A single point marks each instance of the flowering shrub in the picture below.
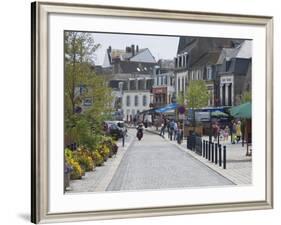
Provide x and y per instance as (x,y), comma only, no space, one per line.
(110,144)
(77,171)
(83,157)
(104,151)
(97,158)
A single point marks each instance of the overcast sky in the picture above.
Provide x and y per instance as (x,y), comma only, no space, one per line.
(161,47)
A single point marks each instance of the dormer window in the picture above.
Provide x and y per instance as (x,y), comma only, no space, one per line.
(209,73)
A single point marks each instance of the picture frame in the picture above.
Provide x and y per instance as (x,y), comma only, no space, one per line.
(41,190)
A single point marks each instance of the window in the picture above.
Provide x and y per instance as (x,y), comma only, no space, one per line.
(180,61)
(144,100)
(128,100)
(136,100)
(166,80)
(186,60)
(209,73)
(133,85)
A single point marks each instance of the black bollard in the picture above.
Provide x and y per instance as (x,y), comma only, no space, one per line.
(203,148)
(123,140)
(209,151)
(216,153)
(219,154)
(213,152)
(224,157)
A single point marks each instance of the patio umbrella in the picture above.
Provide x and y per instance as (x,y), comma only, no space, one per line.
(242,111)
(218,113)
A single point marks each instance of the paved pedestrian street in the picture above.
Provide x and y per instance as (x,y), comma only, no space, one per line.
(154,163)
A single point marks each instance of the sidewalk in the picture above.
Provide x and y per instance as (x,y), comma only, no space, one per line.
(99,179)
(238,165)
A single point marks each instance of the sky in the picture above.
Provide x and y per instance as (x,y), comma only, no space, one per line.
(161,47)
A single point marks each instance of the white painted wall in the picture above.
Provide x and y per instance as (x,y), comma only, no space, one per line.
(132,109)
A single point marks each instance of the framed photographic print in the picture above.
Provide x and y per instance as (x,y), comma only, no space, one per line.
(145,112)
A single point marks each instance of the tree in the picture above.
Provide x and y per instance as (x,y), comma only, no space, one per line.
(197,94)
(79,74)
(79,49)
(246,97)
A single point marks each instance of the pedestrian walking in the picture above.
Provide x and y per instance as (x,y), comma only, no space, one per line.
(238,131)
(162,131)
(226,133)
(171,130)
(168,127)
(179,134)
(233,136)
(175,130)
(216,131)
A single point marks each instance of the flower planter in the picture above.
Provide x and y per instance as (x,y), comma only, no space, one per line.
(66,180)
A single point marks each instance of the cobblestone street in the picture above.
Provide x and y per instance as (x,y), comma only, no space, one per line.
(154,163)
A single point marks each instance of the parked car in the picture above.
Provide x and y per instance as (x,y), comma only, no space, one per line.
(116,128)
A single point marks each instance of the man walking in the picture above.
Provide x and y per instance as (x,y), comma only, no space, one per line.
(175,130)
(171,130)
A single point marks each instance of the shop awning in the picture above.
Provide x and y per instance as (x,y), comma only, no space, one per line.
(167,108)
(242,111)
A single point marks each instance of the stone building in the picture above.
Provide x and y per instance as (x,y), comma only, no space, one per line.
(224,64)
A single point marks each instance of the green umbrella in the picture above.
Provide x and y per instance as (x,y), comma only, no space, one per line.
(218,113)
(242,111)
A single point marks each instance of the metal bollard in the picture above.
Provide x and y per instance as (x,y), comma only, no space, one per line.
(219,154)
(213,152)
(203,148)
(224,157)
(209,151)
(216,153)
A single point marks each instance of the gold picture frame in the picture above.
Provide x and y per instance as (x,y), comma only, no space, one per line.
(40,212)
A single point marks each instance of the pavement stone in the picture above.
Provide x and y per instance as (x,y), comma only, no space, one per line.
(238,167)
(154,163)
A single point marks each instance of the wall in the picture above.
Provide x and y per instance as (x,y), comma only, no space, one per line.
(15,111)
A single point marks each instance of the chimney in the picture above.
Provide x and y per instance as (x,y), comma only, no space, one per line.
(133,50)
(128,49)
(109,49)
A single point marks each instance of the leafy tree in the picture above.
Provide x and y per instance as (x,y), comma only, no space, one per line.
(85,128)
(197,94)
(79,49)
(246,97)
(181,99)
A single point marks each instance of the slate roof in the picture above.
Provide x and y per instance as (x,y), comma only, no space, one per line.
(123,55)
(198,46)
(238,66)
(227,54)
(136,67)
(245,50)
(209,58)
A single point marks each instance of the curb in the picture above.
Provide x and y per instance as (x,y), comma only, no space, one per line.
(103,184)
